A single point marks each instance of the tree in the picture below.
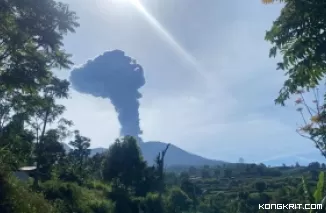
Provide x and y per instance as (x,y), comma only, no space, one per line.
(184,175)
(153,204)
(301,41)
(205,173)
(241,160)
(192,171)
(80,152)
(31,41)
(31,35)
(242,202)
(160,169)
(46,111)
(314,165)
(317,196)
(124,163)
(178,201)
(323,166)
(217,172)
(313,115)
(30,46)
(260,186)
(192,191)
(95,164)
(18,143)
(227,173)
(51,150)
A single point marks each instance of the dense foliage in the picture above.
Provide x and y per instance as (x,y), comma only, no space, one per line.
(32,130)
(298,34)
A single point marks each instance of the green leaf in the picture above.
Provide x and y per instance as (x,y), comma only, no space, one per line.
(318,195)
(298,34)
(307,193)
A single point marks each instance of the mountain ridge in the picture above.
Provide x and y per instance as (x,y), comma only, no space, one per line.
(174,155)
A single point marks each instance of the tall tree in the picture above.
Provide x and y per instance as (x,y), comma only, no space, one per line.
(50,153)
(124,163)
(17,141)
(46,111)
(178,201)
(260,186)
(80,152)
(160,169)
(299,35)
(95,165)
(31,34)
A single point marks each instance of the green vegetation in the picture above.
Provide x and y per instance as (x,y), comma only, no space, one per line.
(137,187)
(119,180)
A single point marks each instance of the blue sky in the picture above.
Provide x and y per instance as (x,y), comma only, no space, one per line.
(211,94)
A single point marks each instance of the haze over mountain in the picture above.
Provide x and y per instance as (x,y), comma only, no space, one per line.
(302,158)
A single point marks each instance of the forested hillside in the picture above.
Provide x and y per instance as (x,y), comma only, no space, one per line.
(121,181)
(37,175)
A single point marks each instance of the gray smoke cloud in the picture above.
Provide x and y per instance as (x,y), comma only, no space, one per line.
(118,77)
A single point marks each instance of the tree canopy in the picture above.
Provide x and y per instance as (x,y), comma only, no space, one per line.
(298,34)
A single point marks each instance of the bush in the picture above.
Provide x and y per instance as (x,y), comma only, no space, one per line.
(101,206)
(16,197)
(98,186)
(67,196)
(152,203)
(70,197)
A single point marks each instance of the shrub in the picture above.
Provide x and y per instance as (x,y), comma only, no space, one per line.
(67,196)
(101,206)
(16,197)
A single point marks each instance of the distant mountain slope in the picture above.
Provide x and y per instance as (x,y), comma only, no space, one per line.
(302,159)
(174,155)
(178,157)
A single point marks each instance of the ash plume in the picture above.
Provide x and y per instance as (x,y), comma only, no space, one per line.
(118,77)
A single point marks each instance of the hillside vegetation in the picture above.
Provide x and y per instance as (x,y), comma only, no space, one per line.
(120,181)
